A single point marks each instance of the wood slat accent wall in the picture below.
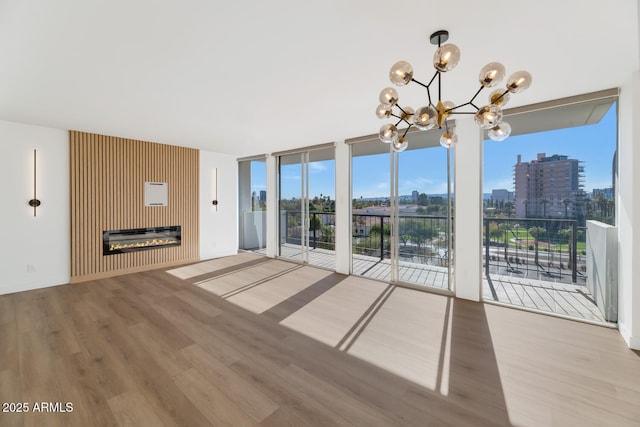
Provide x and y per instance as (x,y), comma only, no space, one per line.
(107,193)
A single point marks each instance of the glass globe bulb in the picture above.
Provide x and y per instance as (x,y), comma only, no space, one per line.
(401,73)
(519,81)
(407,114)
(388,133)
(449,139)
(400,144)
(425,118)
(389,96)
(500,132)
(384,111)
(446,57)
(496,97)
(448,105)
(488,116)
(491,74)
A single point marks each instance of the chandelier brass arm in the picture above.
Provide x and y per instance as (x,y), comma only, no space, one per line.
(435,114)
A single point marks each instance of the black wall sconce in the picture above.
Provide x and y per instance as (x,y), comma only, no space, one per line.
(215,189)
(34,203)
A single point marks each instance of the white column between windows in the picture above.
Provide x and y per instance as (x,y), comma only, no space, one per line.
(468,211)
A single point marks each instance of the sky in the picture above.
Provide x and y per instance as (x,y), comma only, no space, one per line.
(593,144)
(425,170)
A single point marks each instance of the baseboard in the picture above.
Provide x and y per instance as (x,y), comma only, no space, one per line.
(106,274)
(220,254)
(634,343)
(26,288)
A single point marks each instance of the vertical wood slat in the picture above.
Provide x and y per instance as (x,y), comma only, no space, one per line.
(107,193)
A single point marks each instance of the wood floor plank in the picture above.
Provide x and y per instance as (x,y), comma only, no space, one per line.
(155,349)
(132,409)
(157,385)
(10,391)
(247,397)
(214,404)
(88,390)
(348,407)
(161,350)
(9,356)
(7,309)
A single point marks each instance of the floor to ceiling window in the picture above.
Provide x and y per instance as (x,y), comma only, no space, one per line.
(415,246)
(306,206)
(252,203)
(549,210)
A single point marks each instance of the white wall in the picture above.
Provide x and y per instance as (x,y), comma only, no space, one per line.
(218,228)
(628,209)
(602,267)
(34,251)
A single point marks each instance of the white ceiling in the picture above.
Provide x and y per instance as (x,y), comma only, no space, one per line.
(251,77)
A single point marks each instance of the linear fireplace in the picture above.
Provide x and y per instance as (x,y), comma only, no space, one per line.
(139,239)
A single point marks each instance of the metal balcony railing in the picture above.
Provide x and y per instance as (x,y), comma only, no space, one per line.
(544,249)
(422,239)
(321,229)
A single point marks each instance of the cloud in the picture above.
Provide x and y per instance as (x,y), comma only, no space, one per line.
(317,167)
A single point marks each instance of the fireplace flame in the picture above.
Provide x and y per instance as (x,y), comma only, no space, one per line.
(154,242)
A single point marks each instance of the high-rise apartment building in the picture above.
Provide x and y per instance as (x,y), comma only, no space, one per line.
(549,187)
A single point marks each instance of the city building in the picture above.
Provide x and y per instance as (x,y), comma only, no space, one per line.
(607,193)
(549,187)
(414,195)
(502,195)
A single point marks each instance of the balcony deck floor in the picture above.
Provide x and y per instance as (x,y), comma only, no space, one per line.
(572,300)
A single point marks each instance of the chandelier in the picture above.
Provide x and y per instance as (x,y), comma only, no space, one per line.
(431,115)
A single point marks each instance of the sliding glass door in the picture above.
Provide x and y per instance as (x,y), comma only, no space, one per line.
(402,211)
(306,207)
(252,204)
(549,210)
(292,204)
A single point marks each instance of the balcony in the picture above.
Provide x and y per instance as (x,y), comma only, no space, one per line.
(538,264)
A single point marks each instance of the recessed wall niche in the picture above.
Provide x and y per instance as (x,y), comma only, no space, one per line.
(156,194)
(108,176)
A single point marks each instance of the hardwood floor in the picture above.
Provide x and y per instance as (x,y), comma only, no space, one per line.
(248,340)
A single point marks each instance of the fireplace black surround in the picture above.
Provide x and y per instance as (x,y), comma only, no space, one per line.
(139,239)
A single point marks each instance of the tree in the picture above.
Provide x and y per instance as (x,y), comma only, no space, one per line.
(404,238)
(494,231)
(566,234)
(544,203)
(423,199)
(589,208)
(504,228)
(566,207)
(375,234)
(536,232)
(601,203)
(509,209)
(315,222)
(416,230)
(327,240)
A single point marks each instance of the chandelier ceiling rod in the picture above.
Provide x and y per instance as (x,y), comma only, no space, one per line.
(445,59)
